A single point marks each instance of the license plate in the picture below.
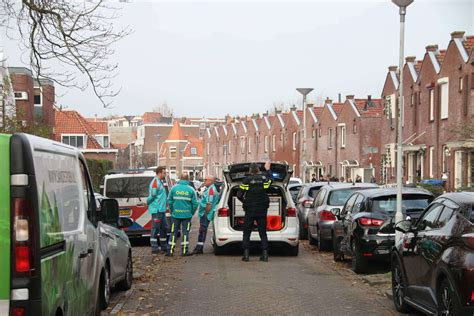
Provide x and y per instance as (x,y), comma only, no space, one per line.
(383,251)
(124,212)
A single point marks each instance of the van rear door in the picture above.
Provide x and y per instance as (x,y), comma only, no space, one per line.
(235,173)
(4,224)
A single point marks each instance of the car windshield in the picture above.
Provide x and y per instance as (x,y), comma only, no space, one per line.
(339,197)
(313,191)
(388,204)
(471,214)
(127,187)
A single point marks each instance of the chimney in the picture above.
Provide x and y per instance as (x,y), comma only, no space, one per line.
(265,114)
(277,111)
(328,101)
(309,105)
(392,68)
(339,98)
(350,97)
(457,34)
(369,103)
(293,108)
(432,48)
(410,59)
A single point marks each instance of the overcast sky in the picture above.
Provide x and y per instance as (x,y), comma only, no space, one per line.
(212,58)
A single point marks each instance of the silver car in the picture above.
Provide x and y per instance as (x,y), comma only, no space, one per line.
(320,217)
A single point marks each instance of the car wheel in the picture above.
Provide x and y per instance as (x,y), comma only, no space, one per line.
(447,303)
(398,288)
(323,245)
(217,250)
(126,283)
(104,289)
(335,248)
(294,250)
(303,232)
(312,241)
(359,263)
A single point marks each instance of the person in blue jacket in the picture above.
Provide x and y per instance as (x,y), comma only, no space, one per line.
(182,202)
(207,208)
(156,202)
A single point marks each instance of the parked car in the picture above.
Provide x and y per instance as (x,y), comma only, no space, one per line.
(294,190)
(294,180)
(320,218)
(53,263)
(433,263)
(130,189)
(229,218)
(304,201)
(365,226)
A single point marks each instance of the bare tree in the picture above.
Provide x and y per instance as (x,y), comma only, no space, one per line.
(164,109)
(79,35)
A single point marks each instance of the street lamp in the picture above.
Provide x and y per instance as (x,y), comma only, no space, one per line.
(304,92)
(402,4)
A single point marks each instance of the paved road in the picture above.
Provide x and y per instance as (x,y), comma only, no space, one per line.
(213,285)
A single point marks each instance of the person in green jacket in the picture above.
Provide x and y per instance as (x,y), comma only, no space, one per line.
(207,208)
(182,202)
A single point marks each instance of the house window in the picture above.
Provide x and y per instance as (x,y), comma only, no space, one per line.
(228,146)
(431,104)
(444,97)
(319,132)
(431,161)
(266,143)
(461,83)
(343,137)
(208,149)
(73,140)
(329,138)
(37,98)
(294,140)
(103,140)
(249,145)
(314,133)
(274,143)
(393,104)
(193,151)
(173,153)
(173,172)
(242,144)
(354,128)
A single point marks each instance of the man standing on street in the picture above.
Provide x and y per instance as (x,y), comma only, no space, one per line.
(255,201)
(182,202)
(156,202)
(207,208)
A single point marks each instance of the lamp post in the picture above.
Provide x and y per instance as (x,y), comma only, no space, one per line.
(304,92)
(402,4)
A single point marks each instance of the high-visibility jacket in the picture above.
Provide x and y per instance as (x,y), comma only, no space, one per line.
(156,196)
(210,196)
(182,200)
(253,193)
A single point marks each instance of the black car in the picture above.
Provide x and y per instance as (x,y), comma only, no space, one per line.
(365,226)
(433,262)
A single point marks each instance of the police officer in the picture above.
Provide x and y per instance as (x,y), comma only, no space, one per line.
(183,203)
(253,195)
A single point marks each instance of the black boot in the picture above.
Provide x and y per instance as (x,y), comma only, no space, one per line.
(246,255)
(198,250)
(264,256)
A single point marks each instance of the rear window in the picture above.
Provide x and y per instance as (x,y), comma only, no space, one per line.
(339,197)
(313,191)
(388,204)
(471,213)
(127,187)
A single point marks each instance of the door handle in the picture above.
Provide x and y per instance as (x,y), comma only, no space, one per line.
(85,254)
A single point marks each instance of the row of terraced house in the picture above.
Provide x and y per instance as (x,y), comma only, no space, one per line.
(358,136)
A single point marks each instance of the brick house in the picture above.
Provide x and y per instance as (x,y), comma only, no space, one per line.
(313,163)
(293,135)
(91,138)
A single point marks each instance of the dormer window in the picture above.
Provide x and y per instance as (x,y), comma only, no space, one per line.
(74,140)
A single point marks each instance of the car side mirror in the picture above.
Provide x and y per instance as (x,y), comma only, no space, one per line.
(336,212)
(403,226)
(124,222)
(110,211)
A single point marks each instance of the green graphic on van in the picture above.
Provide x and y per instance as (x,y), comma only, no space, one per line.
(5,217)
(49,218)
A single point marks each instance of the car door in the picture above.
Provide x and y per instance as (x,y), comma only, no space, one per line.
(312,212)
(345,217)
(415,263)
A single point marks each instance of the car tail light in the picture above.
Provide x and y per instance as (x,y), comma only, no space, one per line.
(327,216)
(18,311)
(472,296)
(307,203)
(22,235)
(291,212)
(469,240)
(223,212)
(365,221)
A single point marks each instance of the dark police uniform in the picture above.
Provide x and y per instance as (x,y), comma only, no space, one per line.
(253,195)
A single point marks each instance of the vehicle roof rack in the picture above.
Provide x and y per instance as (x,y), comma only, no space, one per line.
(128,171)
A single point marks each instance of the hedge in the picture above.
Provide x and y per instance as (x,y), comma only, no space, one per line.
(98,168)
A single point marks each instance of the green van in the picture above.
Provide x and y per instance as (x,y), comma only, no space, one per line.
(50,262)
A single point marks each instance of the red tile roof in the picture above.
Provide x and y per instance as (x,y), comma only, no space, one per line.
(469,44)
(100,126)
(176,132)
(337,108)
(318,110)
(196,143)
(151,117)
(374,111)
(418,64)
(71,122)
(440,56)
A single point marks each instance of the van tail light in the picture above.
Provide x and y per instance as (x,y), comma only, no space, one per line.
(469,240)
(326,216)
(307,203)
(223,212)
(291,212)
(472,296)
(18,311)
(22,236)
(365,221)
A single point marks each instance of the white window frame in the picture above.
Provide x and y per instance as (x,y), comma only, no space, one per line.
(343,135)
(208,149)
(431,101)
(431,162)
(228,146)
(249,145)
(193,151)
(242,144)
(393,105)
(330,138)
(173,150)
(84,140)
(100,139)
(443,83)
(266,143)
(274,142)
(294,140)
